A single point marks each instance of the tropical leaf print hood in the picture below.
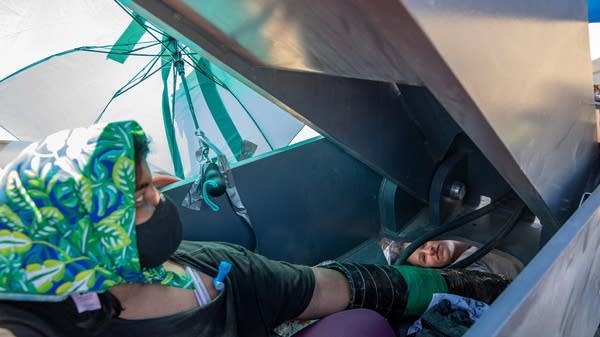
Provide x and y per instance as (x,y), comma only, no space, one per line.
(67,216)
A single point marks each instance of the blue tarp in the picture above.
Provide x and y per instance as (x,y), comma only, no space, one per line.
(594,10)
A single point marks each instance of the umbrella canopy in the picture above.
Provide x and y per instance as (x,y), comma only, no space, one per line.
(73,63)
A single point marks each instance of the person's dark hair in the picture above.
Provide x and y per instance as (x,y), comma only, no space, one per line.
(63,318)
(94,322)
(140,148)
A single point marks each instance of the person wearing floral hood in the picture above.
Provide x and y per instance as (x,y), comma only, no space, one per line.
(89,246)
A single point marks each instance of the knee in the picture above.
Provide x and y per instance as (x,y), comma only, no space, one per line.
(349,323)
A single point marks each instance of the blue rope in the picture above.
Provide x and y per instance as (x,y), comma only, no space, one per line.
(207,200)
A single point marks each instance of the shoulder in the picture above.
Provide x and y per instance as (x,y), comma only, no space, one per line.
(211,251)
(496,261)
(206,257)
(499,262)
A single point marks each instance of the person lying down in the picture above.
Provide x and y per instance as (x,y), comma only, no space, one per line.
(89,246)
(443,253)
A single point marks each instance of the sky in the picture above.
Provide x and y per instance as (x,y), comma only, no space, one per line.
(594,29)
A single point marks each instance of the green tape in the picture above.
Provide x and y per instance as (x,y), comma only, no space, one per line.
(127,42)
(219,111)
(166,111)
(422,284)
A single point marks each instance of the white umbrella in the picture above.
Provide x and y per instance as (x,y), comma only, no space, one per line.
(73,63)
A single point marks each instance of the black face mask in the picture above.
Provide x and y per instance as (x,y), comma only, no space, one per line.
(160,236)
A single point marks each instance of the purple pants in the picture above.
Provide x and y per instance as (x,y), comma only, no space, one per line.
(349,323)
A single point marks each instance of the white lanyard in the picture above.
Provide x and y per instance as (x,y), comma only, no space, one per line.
(200,290)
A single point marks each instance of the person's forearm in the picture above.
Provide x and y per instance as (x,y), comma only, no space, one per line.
(393,291)
(331,294)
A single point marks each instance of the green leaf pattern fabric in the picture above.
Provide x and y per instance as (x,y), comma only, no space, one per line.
(67,216)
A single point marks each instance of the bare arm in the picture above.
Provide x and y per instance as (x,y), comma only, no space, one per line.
(331,294)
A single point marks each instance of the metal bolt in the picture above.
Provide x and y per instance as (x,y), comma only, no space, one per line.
(457,190)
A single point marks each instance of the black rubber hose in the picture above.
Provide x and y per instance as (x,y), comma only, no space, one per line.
(493,242)
(446,227)
(254,247)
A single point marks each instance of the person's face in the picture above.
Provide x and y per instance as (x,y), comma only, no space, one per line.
(146,194)
(434,254)
(159,228)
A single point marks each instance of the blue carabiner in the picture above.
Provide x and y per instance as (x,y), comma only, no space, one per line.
(224,269)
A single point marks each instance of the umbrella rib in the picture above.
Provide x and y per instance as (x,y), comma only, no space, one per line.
(148,44)
(38,62)
(166,47)
(145,70)
(120,92)
(94,49)
(221,84)
(129,13)
(147,29)
(128,86)
(211,77)
(10,133)
(151,44)
(69,51)
(147,75)
(173,97)
(118,53)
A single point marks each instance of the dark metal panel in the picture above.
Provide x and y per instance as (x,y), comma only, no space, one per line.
(291,35)
(309,203)
(521,89)
(366,118)
(558,293)
(480,64)
(434,121)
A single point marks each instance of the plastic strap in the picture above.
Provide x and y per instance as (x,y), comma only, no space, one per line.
(194,198)
(235,200)
(200,290)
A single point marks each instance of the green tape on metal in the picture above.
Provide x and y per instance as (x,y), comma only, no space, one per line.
(422,284)
(126,42)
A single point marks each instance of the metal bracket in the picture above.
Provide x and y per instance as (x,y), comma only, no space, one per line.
(448,181)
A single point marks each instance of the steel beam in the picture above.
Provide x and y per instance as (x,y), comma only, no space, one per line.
(558,294)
